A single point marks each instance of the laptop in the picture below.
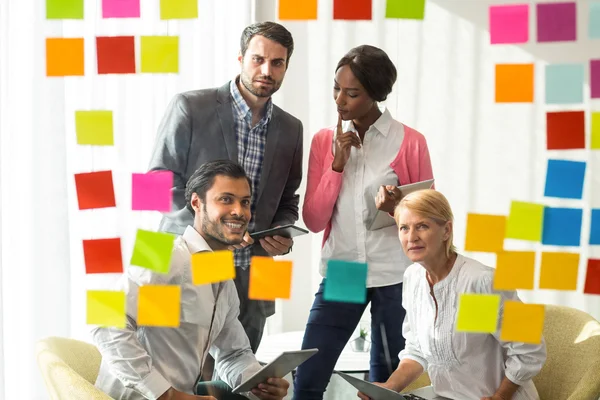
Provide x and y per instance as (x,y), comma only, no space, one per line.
(376,392)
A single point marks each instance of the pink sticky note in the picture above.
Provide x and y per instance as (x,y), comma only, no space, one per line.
(595,78)
(509,24)
(120,8)
(152,191)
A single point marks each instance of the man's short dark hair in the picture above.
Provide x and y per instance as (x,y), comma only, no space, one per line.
(204,178)
(373,69)
(272,31)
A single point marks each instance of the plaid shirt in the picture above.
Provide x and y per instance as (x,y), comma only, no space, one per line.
(251,149)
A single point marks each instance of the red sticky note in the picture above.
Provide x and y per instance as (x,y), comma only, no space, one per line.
(565,130)
(95,190)
(592,278)
(103,256)
(352,9)
(116,55)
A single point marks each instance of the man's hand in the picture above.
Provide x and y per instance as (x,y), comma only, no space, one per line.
(365,397)
(173,394)
(247,241)
(273,389)
(387,198)
(276,245)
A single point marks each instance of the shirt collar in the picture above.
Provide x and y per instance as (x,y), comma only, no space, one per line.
(382,125)
(195,241)
(240,105)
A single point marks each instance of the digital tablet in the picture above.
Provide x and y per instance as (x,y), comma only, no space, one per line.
(287,231)
(285,363)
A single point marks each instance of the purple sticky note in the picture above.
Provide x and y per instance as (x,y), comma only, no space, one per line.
(595,78)
(120,8)
(509,24)
(152,191)
(556,22)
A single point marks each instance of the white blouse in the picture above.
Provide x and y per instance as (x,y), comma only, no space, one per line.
(463,365)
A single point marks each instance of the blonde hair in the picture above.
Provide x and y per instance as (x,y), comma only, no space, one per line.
(432,204)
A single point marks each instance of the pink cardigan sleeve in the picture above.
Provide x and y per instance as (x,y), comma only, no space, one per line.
(323,183)
(413,163)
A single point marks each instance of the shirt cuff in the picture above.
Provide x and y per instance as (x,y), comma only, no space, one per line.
(420,360)
(514,379)
(153,385)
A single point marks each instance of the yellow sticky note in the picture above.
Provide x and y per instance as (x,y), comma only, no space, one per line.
(212,267)
(477,313)
(485,232)
(522,322)
(159,305)
(270,279)
(297,10)
(525,221)
(514,270)
(94,127)
(160,54)
(106,308)
(178,9)
(596,129)
(559,271)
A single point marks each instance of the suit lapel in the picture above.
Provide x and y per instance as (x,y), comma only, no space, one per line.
(226,119)
(270,149)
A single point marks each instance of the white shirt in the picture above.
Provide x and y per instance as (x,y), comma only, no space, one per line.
(366,170)
(463,365)
(141,362)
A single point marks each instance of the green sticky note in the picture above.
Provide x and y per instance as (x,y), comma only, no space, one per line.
(525,221)
(64,9)
(106,308)
(160,54)
(152,250)
(178,9)
(596,130)
(405,9)
(477,313)
(346,282)
(94,127)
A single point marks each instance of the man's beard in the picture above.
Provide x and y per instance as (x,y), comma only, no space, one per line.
(214,229)
(259,92)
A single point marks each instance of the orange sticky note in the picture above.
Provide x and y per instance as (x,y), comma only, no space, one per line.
(211,267)
(559,271)
(485,232)
(269,279)
(522,322)
(297,10)
(105,308)
(159,305)
(514,83)
(64,57)
(514,270)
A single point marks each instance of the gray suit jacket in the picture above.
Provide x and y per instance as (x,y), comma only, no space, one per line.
(198,127)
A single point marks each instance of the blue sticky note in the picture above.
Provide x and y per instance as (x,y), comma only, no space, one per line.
(564,179)
(564,83)
(562,226)
(594,22)
(595,229)
(346,282)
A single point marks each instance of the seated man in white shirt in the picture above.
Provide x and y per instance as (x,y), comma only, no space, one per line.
(146,362)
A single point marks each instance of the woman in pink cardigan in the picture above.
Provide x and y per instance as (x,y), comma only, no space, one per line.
(366,156)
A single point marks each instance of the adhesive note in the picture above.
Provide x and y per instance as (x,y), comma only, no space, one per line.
(178,9)
(159,305)
(562,226)
(564,83)
(595,79)
(120,8)
(525,221)
(152,250)
(160,54)
(64,9)
(64,57)
(115,55)
(522,322)
(592,277)
(270,279)
(485,232)
(514,83)
(211,267)
(564,179)
(94,128)
(595,227)
(477,313)
(595,126)
(352,9)
(509,24)
(559,271)
(346,282)
(594,20)
(556,22)
(565,130)
(514,270)
(297,10)
(105,308)
(152,191)
(95,190)
(405,9)
(103,256)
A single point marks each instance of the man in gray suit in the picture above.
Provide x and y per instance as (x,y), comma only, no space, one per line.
(239,121)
